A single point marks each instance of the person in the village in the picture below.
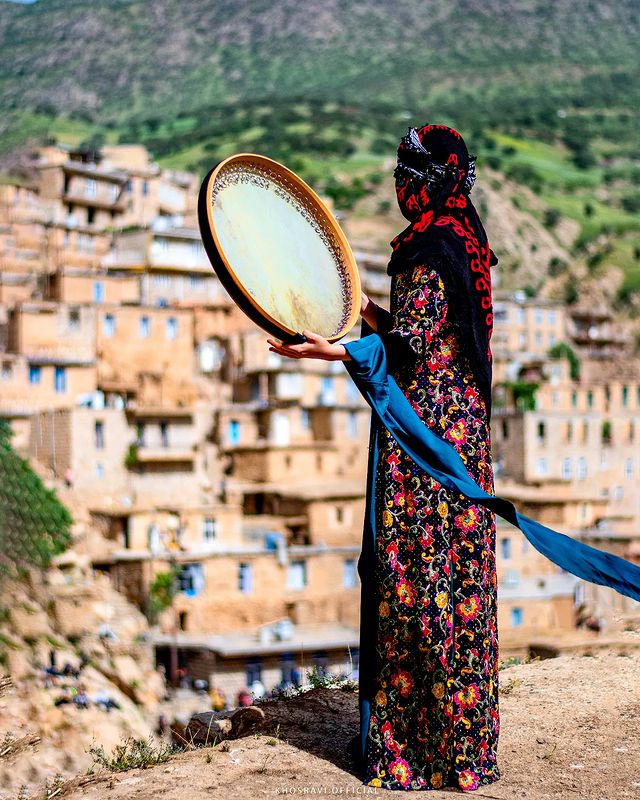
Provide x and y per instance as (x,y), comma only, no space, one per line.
(428,678)
(429,650)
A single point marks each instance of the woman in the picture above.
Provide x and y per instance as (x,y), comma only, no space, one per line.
(428,640)
(432,686)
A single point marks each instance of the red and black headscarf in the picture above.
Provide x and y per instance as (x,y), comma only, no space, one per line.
(434,176)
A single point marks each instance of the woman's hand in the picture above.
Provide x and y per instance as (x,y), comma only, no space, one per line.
(315,347)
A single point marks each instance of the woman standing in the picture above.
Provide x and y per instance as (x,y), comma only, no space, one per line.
(429,641)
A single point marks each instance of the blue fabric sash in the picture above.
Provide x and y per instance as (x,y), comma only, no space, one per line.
(440,459)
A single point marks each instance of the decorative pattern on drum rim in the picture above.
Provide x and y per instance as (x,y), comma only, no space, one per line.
(249,172)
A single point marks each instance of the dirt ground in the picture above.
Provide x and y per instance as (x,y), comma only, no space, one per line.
(570,728)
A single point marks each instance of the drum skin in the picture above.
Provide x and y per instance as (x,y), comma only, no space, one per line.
(277,249)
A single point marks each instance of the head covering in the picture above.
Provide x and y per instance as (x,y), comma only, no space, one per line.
(434,176)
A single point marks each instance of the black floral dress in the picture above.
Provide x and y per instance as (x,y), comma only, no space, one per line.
(434,718)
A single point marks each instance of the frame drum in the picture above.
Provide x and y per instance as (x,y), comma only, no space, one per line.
(277,249)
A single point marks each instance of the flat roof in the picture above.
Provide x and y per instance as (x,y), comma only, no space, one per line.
(326,636)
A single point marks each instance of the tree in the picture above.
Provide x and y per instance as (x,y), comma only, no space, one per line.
(34,524)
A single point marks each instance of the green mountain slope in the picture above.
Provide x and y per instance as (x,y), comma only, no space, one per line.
(117,59)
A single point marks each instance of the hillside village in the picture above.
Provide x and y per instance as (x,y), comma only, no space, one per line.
(218,490)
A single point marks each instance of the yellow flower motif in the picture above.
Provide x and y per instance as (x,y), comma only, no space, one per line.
(442,509)
(387,519)
(436,780)
(375,782)
(438,690)
(384,609)
(381,698)
(441,599)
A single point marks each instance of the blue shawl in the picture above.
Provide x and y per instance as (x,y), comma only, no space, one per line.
(439,458)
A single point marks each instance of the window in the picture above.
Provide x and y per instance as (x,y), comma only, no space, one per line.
(555,399)
(582,468)
(145,327)
(625,396)
(521,315)
(541,466)
(73,319)
(145,188)
(566,468)
(349,574)
(305,419)
(245,578)
(128,187)
(109,325)
(538,338)
(618,493)
(7,371)
(98,430)
(99,470)
(140,429)
(505,548)
(574,399)
(196,283)
(98,292)
(551,316)
(164,434)
(511,577)
(552,339)
(505,429)
(569,431)
(516,617)
(191,579)
(327,391)
(253,671)
(297,575)
(537,316)
(60,380)
(541,431)
(172,328)
(209,529)
(234,431)
(352,425)
(162,281)
(288,670)
(35,374)
(628,468)
(590,399)
(91,188)
(339,514)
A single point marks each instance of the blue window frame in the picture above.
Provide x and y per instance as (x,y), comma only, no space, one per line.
(245,578)
(60,380)
(98,292)
(234,431)
(145,327)
(254,671)
(109,325)
(516,617)
(35,374)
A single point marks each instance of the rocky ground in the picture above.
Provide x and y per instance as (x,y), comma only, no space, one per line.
(569,730)
(63,615)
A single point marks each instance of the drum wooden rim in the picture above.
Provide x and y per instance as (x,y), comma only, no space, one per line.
(225,271)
